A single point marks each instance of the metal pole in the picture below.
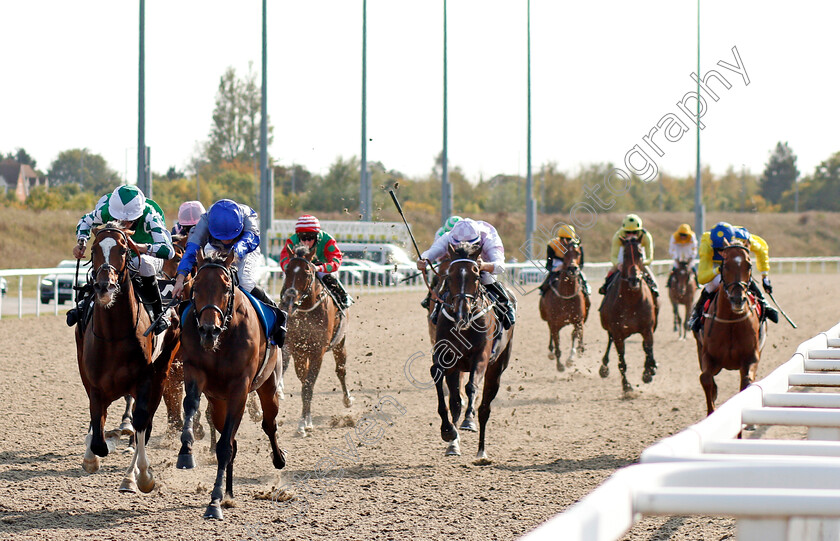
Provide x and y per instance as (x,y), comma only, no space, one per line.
(445,188)
(530,217)
(699,211)
(365,203)
(266,204)
(141,109)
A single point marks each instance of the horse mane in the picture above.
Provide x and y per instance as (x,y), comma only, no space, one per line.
(215,257)
(464,250)
(300,250)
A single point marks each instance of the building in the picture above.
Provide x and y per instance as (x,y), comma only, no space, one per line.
(19,178)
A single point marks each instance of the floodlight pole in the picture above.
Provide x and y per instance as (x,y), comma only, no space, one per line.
(530,210)
(699,211)
(445,186)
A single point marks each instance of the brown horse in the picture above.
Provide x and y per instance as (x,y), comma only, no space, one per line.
(565,303)
(115,359)
(469,338)
(732,336)
(681,290)
(629,308)
(315,326)
(226,355)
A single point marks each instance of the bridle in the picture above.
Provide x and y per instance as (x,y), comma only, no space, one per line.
(106,265)
(571,271)
(633,263)
(469,298)
(731,286)
(227,313)
(306,291)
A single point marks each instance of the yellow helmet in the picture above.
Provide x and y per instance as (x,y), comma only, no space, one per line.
(567,232)
(685,229)
(631,222)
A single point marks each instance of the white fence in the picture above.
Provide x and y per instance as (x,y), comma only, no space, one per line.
(778,490)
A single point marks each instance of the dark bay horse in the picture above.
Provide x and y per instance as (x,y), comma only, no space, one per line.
(115,359)
(465,336)
(226,356)
(565,303)
(681,290)
(732,336)
(628,308)
(315,326)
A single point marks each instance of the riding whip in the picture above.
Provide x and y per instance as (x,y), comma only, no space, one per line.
(792,324)
(410,234)
(166,308)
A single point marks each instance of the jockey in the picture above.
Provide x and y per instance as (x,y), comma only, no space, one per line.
(555,251)
(708,273)
(327,258)
(683,247)
(445,228)
(188,215)
(128,205)
(492,260)
(631,227)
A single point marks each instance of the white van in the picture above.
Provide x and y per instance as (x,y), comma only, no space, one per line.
(381,254)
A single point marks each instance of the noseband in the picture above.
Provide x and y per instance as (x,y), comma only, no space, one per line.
(106,265)
(227,313)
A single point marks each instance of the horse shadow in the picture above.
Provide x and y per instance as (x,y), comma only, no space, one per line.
(66,519)
(566,465)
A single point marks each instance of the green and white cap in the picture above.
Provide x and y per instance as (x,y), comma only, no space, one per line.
(126,203)
(450,222)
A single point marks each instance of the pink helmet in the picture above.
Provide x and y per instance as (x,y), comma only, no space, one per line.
(190,212)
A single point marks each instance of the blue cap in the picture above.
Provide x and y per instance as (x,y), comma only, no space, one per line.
(742,235)
(722,234)
(225,220)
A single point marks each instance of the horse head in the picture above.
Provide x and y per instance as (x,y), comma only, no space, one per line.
(571,259)
(463,278)
(110,256)
(213,297)
(735,275)
(631,262)
(682,275)
(299,277)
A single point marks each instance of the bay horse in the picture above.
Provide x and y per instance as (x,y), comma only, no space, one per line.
(565,303)
(226,355)
(628,308)
(733,334)
(469,338)
(681,290)
(315,325)
(114,357)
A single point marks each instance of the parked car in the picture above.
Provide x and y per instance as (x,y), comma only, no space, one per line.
(65,282)
(372,273)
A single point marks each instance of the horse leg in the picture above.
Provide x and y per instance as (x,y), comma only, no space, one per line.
(622,366)
(191,402)
(677,320)
(228,414)
(149,395)
(748,370)
(555,337)
(650,363)
(279,370)
(448,432)
(271,406)
(469,416)
(208,414)
(340,355)
(492,382)
(126,424)
(95,440)
(707,380)
(604,371)
(577,334)
(453,382)
(307,388)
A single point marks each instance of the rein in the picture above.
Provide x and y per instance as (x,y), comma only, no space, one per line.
(227,314)
(306,291)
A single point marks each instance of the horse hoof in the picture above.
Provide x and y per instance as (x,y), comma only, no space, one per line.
(449,434)
(301,431)
(214,511)
(185,462)
(128,486)
(129,450)
(550,355)
(454,448)
(604,371)
(647,376)
(146,481)
(281,395)
(481,459)
(469,425)
(126,428)
(348,401)
(279,460)
(560,367)
(92,465)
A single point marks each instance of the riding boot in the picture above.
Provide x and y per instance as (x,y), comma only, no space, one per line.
(77,313)
(652,284)
(767,312)
(150,292)
(697,313)
(337,291)
(545,283)
(607,281)
(670,279)
(584,284)
(694,275)
(278,333)
(506,311)
(425,302)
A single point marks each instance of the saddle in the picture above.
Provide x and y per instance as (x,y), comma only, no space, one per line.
(85,293)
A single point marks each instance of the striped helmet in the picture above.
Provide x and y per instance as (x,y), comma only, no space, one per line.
(126,203)
(465,231)
(450,223)
(307,223)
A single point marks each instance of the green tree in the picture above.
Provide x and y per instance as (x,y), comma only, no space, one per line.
(779,174)
(820,191)
(20,156)
(338,190)
(88,169)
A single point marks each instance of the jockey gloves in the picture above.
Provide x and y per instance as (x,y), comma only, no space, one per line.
(126,203)
(465,231)
(190,212)
(225,220)
(307,223)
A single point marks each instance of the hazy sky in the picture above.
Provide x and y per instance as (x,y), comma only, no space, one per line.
(603,74)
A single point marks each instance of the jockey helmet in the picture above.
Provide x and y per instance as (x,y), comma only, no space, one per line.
(684,229)
(450,223)
(631,222)
(190,212)
(126,203)
(567,232)
(741,235)
(464,231)
(307,223)
(225,220)
(721,234)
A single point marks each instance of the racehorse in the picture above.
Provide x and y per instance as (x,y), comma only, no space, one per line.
(565,303)
(315,326)
(628,308)
(681,291)
(468,338)
(226,355)
(115,359)
(733,335)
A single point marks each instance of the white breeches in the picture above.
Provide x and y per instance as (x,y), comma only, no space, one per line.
(713,285)
(557,265)
(486,278)
(147,265)
(245,268)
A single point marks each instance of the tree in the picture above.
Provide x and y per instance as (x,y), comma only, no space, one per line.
(88,169)
(235,132)
(21,157)
(780,174)
(338,190)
